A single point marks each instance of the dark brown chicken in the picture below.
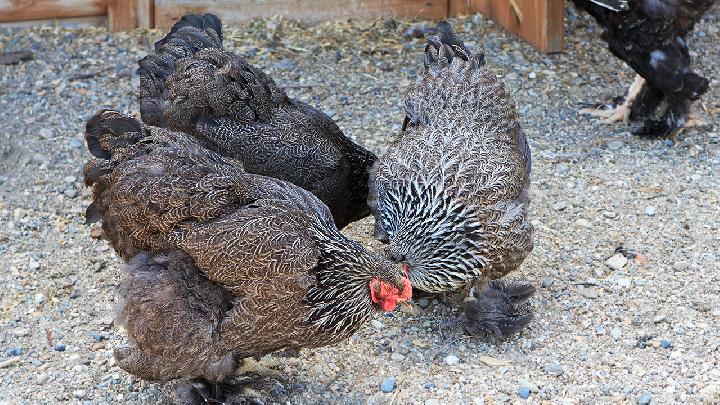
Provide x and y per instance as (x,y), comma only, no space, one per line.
(223,264)
(191,84)
(651,36)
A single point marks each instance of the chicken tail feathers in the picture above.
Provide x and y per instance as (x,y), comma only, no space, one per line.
(208,23)
(447,46)
(494,309)
(188,36)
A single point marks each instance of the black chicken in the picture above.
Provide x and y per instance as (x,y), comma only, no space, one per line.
(651,37)
(191,84)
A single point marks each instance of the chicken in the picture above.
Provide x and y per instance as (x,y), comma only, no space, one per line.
(191,84)
(651,37)
(223,264)
(450,198)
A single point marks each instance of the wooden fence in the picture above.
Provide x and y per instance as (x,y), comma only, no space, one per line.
(540,22)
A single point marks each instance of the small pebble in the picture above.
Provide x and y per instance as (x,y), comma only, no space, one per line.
(432,401)
(388,385)
(377,324)
(547,282)
(555,369)
(70,192)
(644,399)
(665,344)
(15,351)
(396,357)
(588,292)
(532,75)
(96,336)
(681,266)
(583,223)
(617,261)
(524,393)
(696,177)
(615,145)
(19,332)
(430,385)
(452,360)
(59,347)
(559,206)
(529,385)
(650,210)
(46,133)
(79,393)
(609,214)
(423,302)
(624,282)
(615,333)
(75,143)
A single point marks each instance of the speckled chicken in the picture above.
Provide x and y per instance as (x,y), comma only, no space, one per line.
(451,196)
(651,36)
(223,264)
(191,84)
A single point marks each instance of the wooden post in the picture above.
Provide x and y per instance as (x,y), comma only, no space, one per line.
(540,22)
(125,15)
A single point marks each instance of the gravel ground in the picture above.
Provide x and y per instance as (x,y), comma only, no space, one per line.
(642,330)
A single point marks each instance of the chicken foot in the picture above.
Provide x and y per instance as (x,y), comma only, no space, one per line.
(621,112)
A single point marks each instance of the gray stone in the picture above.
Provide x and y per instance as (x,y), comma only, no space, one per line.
(650,210)
(554,369)
(624,282)
(616,261)
(377,324)
(529,385)
(559,206)
(583,223)
(423,302)
(388,385)
(547,282)
(46,133)
(615,333)
(452,360)
(588,292)
(615,145)
(681,266)
(644,399)
(75,143)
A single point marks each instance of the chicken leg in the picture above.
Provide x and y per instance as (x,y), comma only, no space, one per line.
(620,113)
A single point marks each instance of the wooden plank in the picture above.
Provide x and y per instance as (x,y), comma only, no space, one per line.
(76,22)
(124,15)
(23,10)
(540,22)
(167,12)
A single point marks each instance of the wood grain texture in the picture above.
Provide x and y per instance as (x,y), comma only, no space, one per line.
(126,15)
(540,22)
(23,10)
(168,12)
